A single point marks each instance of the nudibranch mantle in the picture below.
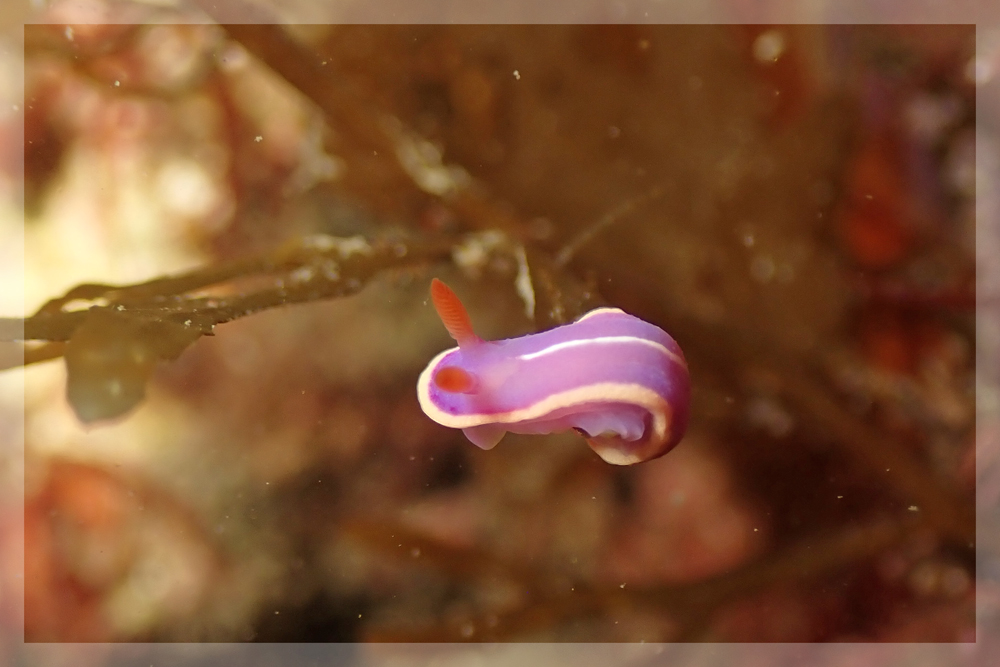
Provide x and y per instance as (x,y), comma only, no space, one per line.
(620,381)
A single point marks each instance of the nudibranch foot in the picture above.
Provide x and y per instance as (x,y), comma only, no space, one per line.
(621,382)
(486,436)
(624,421)
(618,451)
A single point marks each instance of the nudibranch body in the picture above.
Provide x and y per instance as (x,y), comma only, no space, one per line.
(620,381)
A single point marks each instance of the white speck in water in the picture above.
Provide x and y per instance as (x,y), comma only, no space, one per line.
(768,46)
(622,586)
(69,33)
(517,75)
(117,83)
(187,323)
(839,497)
(913,508)
(258,138)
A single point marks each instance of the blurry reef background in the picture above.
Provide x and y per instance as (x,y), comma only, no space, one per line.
(795,205)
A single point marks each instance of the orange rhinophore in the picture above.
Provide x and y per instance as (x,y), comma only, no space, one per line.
(453,314)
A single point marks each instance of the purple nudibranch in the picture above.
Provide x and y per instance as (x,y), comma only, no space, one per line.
(621,382)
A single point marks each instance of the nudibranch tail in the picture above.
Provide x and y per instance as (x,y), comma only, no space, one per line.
(453,314)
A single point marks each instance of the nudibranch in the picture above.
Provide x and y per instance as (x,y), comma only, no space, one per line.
(621,382)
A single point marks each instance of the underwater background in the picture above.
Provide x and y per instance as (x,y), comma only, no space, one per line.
(229,235)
